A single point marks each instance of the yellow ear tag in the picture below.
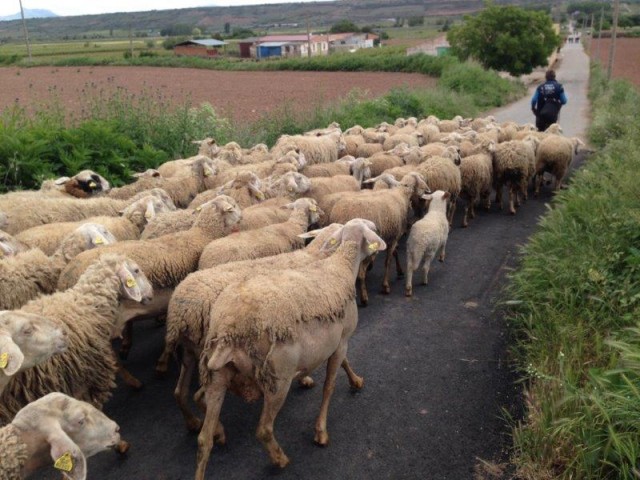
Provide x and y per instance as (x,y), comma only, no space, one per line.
(260,195)
(99,240)
(131,282)
(332,241)
(313,208)
(373,246)
(64,463)
(198,209)
(207,173)
(148,215)
(4,360)
(92,185)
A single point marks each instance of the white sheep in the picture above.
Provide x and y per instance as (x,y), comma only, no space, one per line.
(513,166)
(89,311)
(279,326)
(554,155)
(55,430)
(476,174)
(30,274)
(10,245)
(322,149)
(428,236)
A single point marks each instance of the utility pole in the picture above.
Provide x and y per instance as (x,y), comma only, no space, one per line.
(591,35)
(131,40)
(26,32)
(308,40)
(600,33)
(614,32)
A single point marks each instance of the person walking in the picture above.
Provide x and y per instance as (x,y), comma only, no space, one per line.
(547,101)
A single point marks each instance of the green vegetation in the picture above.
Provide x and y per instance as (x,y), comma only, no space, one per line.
(120,133)
(576,306)
(505,38)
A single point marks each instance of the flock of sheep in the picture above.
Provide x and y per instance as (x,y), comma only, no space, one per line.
(216,244)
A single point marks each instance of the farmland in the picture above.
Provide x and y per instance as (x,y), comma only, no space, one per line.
(627,60)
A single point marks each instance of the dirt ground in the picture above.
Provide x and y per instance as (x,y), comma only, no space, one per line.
(243,96)
(627,57)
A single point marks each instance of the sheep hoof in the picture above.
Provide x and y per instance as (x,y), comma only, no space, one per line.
(220,439)
(465,225)
(357,383)
(122,447)
(161,370)
(281,460)
(386,289)
(400,274)
(408,292)
(512,211)
(364,303)
(321,439)
(306,382)
(194,424)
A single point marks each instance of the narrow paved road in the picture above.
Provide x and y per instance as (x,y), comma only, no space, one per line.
(435,367)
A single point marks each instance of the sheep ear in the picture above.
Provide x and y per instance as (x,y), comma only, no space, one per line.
(446,195)
(426,196)
(129,284)
(310,234)
(374,242)
(288,206)
(61,180)
(66,455)
(333,241)
(11,357)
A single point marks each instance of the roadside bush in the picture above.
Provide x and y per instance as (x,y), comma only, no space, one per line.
(576,305)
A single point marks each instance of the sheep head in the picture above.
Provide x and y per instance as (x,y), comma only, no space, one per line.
(134,284)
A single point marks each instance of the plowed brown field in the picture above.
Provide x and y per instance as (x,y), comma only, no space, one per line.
(627,57)
(243,96)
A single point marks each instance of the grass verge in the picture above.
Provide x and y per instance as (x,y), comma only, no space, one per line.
(576,306)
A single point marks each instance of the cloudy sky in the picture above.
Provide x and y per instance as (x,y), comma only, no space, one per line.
(83,7)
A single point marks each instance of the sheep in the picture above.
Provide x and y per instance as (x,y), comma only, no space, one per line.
(26,340)
(89,311)
(230,153)
(41,211)
(29,274)
(448,126)
(480,123)
(414,139)
(192,302)
(318,132)
(555,154)
(352,143)
(3,220)
(181,189)
(84,184)
(285,324)
(476,174)
(10,245)
(323,149)
(207,147)
(181,167)
(367,150)
(513,164)
(292,161)
(429,131)
(266,241)
(428,236)
(245,189)
(374,136)
(359,168)
(553,129)
(166,260)
(56,425)
(257,154)
(386,160)
(388,210)
(126,227)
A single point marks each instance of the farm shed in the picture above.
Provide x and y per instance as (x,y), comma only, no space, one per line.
(349,42)
(198,48)
(284,46)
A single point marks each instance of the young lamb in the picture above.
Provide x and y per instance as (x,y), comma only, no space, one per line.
(26,340)
(90,314)
(193,300)
(22,215)
(554,155)
(181,190)
(322,149)
(388,210)
(29,274)
(55,430)
(266,241)
(476,173)
(126,227)
(270,329)
(428,236)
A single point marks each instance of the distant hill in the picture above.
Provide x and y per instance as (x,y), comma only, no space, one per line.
(319,15)
(29,13)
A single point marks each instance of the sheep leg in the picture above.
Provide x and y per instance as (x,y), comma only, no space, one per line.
(411,266)
(362,281)
(219,435)
(214,396)
(322,437)
(442,252)
(452,208)
(127,340)
(127,377)
(181,391)
(499,187)
(162,365)
(512,208)
(386,288)
(356,382)
(465,218)
(273,402)
(399,271)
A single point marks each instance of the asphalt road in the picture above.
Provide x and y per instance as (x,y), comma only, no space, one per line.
(436,372)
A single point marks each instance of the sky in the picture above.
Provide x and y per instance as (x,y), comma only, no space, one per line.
(87,7)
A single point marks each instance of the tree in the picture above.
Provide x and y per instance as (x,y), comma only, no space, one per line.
(505,38)
(415,21)
(227,28)
(344,26)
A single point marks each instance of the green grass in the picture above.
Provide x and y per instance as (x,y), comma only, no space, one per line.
(576,307)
